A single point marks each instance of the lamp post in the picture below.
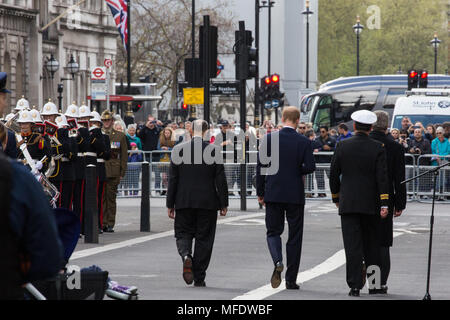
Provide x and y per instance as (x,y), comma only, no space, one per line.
(358,28)
(307,12)
(435,43)
(52,65)
(269,5)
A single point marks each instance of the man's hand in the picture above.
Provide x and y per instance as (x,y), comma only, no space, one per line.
(337,205)
(171,213)
(326,147)
(383,212)
(398,213)
(261,201)
(223,212)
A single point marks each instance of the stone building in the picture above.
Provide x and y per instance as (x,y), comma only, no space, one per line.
(87,32)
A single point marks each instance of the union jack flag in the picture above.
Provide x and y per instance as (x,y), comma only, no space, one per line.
(119,10)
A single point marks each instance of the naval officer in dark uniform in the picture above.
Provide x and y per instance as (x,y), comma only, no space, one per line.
(395,156)
(359,185)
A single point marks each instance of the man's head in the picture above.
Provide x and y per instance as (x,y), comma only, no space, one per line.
(225,126)
(107,119)
(199,127)
(291,116)
(382,121)
(418,134)
(188,126)
(323,131)
(310,134)
(363,120)
(302,127)
(406,122)
(342,128)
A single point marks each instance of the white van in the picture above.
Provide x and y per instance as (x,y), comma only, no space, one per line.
(428,106)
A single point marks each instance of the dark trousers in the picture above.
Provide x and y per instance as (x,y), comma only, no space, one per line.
(100,194)
(385,264)
(275,213)
(66,195)
(78,198)
(361,243)
(201,225)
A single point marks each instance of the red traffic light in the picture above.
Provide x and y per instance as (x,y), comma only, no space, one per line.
(275,78)
(185,106)
(267,80)
(424,75)
(413,74)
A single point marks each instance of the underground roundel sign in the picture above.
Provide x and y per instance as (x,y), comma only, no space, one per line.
(99,73)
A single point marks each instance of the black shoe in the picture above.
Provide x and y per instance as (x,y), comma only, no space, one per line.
(275,281)
(109,230)
(354,293)
(292,285)
(163,193)
(200,283)
(105,228)
(188,275)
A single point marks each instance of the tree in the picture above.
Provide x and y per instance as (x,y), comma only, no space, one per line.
(407,26)
(161,39)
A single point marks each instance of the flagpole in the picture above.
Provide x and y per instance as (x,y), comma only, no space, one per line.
(129,47)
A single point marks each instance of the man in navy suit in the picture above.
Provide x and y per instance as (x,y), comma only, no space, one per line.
(284,158)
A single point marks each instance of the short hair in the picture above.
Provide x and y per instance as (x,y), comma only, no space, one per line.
(197,124)
(343,126)
(291,113)
(395,129)
(362,127)
(404,131)
(309,133)
(382,121)
(324,127)
(446,125)
(133,125)
(440,129)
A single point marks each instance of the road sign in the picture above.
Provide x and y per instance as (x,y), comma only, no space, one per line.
(108,63)
(193,96)
(98,83)
(220,67)
(275,103)
(225,88)
(268,104)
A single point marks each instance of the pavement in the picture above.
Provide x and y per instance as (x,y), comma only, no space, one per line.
(241,266)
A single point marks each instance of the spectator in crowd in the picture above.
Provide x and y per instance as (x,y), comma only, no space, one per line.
(334,134)
(279,127)
(228,141)
(309,126)
(174,126)
(301,128)
(166,143)
(446,127)
(132,137)
(406,123)
(395,133)
(404,139)
(149,136)
(181,125)
(430,132)
(327,144)
(440,147)
(133,170)
(187,135)
(311,135)
(344,133)
(118,126)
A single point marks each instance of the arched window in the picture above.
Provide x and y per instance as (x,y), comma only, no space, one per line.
(20,80)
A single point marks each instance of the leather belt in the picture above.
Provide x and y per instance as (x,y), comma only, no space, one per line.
(101,160)
(90,154)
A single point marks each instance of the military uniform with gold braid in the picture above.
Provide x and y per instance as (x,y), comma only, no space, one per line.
(116,168)
(359,184)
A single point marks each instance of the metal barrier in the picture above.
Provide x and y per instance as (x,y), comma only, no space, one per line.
(316,184)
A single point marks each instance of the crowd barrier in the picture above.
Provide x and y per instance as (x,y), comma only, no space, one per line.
(316,184)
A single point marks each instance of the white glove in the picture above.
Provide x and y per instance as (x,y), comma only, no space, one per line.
(38,165)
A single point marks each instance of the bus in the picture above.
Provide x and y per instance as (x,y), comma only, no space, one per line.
(336,100)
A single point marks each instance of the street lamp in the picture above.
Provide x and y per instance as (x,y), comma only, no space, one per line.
(307,12)
(358,28)
(435,43)
(73,66)
(269,5)
(52,65)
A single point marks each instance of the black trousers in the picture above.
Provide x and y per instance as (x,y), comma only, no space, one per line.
(198,224)
(78,198)
(66,195)
(361,233)
(275,215)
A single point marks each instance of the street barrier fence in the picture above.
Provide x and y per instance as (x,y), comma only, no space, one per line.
(316,184)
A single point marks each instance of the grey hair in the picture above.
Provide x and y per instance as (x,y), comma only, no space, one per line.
(382,121)
(133,125)
(440,129)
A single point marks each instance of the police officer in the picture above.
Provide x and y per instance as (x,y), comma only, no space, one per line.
(103,154)
(395,155)
(359,183)
(82,141)
(116,168)
(38,147)
(61,148)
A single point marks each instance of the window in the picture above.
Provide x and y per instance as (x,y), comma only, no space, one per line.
(323,113)
(392,96)
(345,103)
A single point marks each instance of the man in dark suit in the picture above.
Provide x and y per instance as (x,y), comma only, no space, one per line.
(290,156)
(197,190)
(395,156)
(359,182)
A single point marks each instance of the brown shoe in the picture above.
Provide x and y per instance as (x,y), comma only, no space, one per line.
(188,275)
(275,281)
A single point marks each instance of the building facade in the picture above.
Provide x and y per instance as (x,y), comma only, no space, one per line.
(87,33)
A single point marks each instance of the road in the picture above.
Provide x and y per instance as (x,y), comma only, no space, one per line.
(241,266)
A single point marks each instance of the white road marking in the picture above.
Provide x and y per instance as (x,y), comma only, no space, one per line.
(334,262)
(135,241)
(133,275)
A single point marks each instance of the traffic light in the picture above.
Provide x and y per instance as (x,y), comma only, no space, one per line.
(184,110)
(413,79)
(246,56)
(136,106)
(423,81)
(271,95)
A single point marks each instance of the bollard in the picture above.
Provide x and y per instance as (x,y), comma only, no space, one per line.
(91,209)
(145,198)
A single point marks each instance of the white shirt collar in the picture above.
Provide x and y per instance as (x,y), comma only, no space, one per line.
(290,127)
